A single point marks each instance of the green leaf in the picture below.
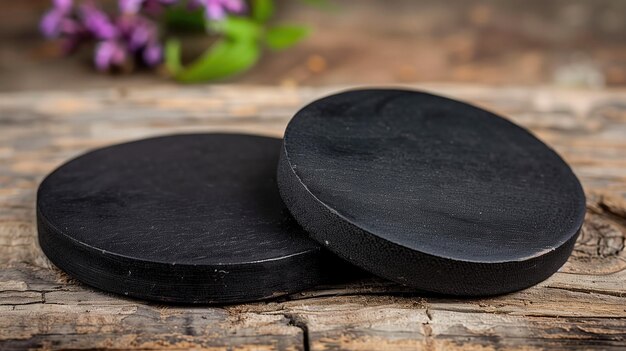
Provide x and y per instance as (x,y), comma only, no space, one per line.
(237,28)
(262,10)
(226,58)
(282,37)
(172,56)
(182,19)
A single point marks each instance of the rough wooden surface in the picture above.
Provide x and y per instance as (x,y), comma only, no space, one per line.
(581,307)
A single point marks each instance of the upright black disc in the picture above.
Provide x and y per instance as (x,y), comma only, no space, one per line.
(186,218)
(430,192)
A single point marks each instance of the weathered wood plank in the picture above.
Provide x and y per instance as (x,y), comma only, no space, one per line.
(583,305)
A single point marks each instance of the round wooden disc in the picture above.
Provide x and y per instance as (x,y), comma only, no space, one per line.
(430,192)
(185,218)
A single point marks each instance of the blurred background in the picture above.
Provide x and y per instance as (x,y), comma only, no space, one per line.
(513,42)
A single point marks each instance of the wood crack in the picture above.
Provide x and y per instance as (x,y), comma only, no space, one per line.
(589,290)
(299,322)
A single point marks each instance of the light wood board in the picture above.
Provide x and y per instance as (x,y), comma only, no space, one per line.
(583,306)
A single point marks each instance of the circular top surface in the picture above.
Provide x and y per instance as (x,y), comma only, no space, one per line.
(432,175)
(205,200)
(186,199)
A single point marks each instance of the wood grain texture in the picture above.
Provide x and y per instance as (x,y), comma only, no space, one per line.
(580,307)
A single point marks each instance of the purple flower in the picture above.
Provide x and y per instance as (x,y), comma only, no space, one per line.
(217,9)
(134,36)
(141,36)
(137,31)
(109,53)
(63,4)
(61,22)
(131,6)
(57,20)
(118,39)
(153,54)
(97,21)
(123,37)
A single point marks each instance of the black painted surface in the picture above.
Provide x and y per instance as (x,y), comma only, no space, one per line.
(186,218)
(430,192)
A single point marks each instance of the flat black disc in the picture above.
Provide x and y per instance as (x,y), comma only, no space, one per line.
(186,218)
(430,192)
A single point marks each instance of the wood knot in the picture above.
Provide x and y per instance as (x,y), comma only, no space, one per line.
(600,237)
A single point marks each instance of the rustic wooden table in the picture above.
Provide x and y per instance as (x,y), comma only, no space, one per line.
(41,307)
